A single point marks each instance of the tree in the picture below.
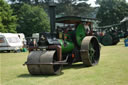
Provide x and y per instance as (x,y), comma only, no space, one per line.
(112,11)
(83,9)
(7,20)
(32,19)
(63,7)
(100,1)
(73,7)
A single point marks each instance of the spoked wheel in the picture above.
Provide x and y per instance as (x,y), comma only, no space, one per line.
(90,51)
(40,62)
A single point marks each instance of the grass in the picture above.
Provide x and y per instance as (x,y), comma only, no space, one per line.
(111,70)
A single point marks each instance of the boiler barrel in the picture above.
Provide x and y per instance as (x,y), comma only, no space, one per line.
(67,46)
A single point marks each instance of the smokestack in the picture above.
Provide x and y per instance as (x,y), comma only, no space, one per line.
(52,17)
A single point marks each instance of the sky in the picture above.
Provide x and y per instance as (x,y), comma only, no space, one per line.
(92,2)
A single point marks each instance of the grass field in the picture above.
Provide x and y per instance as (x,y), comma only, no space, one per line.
(111,70)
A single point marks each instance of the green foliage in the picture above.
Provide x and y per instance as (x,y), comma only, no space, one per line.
(72,7)
(83,9)
(100,1)
(32,19)
(7,20)
(112,11)
(45,1)
(63,7)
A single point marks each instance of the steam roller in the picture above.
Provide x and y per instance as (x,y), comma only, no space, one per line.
(67,43)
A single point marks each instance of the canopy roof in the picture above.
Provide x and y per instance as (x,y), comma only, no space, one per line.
(124,20)
(74,19)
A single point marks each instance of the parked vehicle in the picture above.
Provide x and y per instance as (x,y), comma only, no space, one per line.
(10,42)
(69,43)
(22,38)
(35,35)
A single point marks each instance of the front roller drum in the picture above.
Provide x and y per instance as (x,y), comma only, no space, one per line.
(90,51)
(42,62)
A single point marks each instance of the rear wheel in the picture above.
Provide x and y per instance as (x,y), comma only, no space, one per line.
(90,51)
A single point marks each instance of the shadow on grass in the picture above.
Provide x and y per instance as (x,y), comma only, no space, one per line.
(65,67)
(74,66)
(120,44)
(46,76)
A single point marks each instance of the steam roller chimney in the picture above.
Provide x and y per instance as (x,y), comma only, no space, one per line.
(52,16)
